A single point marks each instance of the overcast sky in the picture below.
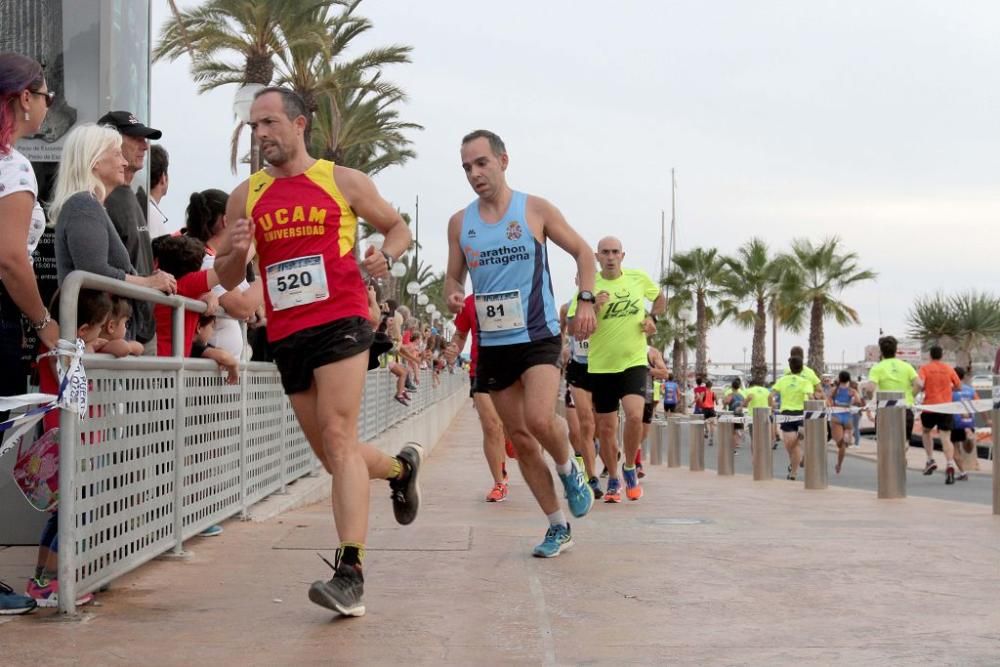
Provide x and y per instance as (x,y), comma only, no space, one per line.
(873,120)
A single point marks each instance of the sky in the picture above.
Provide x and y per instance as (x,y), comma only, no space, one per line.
(873,120)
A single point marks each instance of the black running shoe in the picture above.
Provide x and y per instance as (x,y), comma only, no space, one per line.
(343,592)
(949,475)
(406,492)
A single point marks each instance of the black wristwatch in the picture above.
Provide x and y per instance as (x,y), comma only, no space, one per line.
(587,296)
(389,260)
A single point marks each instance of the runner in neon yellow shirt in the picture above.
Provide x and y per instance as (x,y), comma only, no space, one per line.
(891,374)
(617,362)
(793,389)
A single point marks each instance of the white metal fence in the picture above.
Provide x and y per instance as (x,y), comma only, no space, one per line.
(168,448)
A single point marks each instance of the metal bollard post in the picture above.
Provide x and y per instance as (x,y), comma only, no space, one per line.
(646,444)
(696,445)
(995,453)
(815,445)
(890,431)
(763,457)
(724,443)
(657,444)
(674,441)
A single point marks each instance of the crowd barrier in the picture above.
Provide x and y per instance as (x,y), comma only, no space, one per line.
(167,448)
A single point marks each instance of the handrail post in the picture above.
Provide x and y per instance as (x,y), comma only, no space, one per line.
(815,446)
(674,441)
(994,454)
(177,322)
(68,446)
(696,443)
(890,432)
(760,441)
(726,463)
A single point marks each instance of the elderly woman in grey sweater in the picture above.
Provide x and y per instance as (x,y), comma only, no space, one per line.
(92,166)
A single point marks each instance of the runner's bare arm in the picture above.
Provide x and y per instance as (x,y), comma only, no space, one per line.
(234,249)
(367,203)
(659,370)
(555,227)
(456,346)
(659,304)
(454,287)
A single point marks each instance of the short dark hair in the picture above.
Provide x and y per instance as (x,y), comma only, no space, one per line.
(121,308)
(178,255)
(887,346)
(159,161)
(936,352)
(796,351)
(843,376)
(795,364)
(960,372)
(736,383)
(92,307)
(291,101)
(496,143)
(205,209)
(205,320)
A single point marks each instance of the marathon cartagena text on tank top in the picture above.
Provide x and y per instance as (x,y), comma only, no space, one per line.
(510,276)
(305,231)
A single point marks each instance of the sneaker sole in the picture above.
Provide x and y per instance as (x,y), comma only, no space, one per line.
(19,611)
(318,596)
(562,547)
(612,499)
(415,475)
(53,602)
(635,496)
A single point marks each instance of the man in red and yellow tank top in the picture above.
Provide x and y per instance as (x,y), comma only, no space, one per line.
(304,214)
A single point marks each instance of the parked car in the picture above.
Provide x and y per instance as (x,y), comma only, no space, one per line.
(982,382)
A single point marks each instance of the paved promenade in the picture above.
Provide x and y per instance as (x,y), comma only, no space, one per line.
(702,571)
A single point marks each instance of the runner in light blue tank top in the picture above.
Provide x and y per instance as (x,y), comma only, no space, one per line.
(510,277)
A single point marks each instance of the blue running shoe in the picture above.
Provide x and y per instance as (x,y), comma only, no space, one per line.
(614,491)
(632,489)
(579,495)
(13,604)
(557,540)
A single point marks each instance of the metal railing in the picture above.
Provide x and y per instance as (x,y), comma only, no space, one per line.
(168,448)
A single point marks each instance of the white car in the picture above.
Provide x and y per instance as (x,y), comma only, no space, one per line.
(982,382)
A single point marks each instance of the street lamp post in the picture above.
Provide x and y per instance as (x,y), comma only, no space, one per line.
(241,107)
(684,314)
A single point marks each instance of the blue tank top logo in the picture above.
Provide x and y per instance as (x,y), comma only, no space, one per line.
(670,392)
(510,277)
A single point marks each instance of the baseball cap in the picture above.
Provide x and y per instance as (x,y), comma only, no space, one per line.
(126,123)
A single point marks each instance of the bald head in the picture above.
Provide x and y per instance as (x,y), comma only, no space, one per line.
(609,255)
(609,242)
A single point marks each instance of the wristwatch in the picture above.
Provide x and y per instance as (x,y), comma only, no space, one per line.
(389,260)
(42,323)
(587,296)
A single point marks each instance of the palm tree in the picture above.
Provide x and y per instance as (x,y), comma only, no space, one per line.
(812,277)
(698,272)
(964,322)
(747,287)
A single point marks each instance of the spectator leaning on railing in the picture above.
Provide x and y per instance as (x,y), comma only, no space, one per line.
(92,165)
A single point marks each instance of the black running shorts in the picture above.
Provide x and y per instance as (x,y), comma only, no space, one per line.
(929,420)
(609,388)
(302,352)
(500,366)
(577,376)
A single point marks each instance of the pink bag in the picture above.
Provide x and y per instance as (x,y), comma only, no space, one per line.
(36,471)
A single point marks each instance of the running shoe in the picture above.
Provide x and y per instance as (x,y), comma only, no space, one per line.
(557,540)
(406,492)
(604,473)
(45,593)
(930,468)
(409,385)
(632,489)
(639,471)
(402,398)
(949,475)
(578,494)
(343,592)
(497,494)
(579,462)
(962,477)
(614,492)
(595,486)
(212,531)
(12,604)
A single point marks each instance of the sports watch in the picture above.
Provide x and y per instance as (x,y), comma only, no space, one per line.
(587,296)
(389,260)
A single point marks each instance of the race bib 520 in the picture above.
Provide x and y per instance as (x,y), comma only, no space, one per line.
(296,282)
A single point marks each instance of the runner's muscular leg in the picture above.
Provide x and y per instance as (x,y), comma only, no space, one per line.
(607,433)
(541,387)
(585,415)
(509,404)
(493,438)
(633,405)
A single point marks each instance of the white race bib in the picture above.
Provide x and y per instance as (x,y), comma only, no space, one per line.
(583,348)
(500,311)
(296,282)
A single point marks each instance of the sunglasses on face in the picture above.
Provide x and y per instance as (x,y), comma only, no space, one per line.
(49,95)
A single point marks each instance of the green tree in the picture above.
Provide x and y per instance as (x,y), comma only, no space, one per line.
(963,323)
(698,272)
(812,278)
(748,284)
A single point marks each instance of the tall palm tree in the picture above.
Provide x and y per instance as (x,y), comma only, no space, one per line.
(748,285)
(812,278)
(699,272)
(964,322)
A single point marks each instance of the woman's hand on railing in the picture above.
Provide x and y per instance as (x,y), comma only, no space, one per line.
(162,281)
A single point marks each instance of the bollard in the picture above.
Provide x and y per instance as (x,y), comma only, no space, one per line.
(696,445)
(815,446)
(645,445)
(890,432)
(995,454)
(657,442)
(760,442)
(674,441)
(724,443)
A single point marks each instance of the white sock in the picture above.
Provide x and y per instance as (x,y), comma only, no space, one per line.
(565,468)
(951,463)
(557,518)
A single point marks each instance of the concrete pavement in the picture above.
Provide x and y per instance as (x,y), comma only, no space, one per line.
(702,571)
